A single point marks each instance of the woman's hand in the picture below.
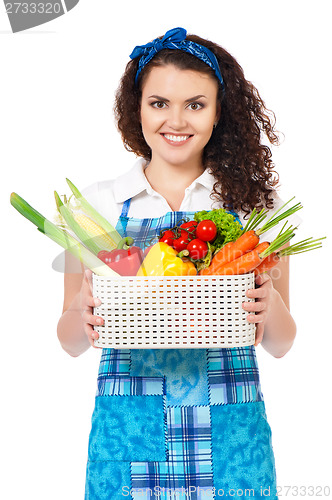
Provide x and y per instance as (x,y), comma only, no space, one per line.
(262,305)
(87,303)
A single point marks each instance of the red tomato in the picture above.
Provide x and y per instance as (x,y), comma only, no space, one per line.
(206,230)
(181,243)
(197,249)
(168,237)
(190,224)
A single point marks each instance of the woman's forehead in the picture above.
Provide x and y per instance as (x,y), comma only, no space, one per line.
(170,78)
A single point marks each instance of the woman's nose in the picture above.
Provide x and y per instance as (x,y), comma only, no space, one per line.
(176,119)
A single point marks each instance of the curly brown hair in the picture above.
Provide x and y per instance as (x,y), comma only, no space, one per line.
(235,154)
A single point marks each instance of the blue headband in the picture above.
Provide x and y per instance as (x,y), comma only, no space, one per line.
(175,39)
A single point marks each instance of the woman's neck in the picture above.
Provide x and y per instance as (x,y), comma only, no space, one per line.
(162,175)
(171,181)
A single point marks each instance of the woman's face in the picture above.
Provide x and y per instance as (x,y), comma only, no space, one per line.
(178,111)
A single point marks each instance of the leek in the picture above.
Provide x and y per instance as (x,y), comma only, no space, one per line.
(96,216)
(61,237)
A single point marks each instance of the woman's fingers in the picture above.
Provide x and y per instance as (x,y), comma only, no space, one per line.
(257,293)
(262,296)
(91,334)
(259,333)
(254,306)
(88,303)
(90,318)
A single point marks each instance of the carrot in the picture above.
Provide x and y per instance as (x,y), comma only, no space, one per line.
(250,260)
(268,263)
(246,263)
(231,251)
(261,247)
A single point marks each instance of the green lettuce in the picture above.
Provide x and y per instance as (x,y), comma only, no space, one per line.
(228,228)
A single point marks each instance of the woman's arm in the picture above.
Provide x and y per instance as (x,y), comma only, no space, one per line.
(75,326)
(275,327)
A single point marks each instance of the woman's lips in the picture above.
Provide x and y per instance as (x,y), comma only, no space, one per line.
(177,139)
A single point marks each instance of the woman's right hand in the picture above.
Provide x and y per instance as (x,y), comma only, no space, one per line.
(87,303)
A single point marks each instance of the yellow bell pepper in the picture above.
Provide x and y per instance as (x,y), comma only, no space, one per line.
(162,260)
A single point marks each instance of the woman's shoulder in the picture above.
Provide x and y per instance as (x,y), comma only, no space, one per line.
(115,186)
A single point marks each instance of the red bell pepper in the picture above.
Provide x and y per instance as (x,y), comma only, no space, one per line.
(125,259)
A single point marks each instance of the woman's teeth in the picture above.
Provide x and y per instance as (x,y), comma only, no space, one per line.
(176,138)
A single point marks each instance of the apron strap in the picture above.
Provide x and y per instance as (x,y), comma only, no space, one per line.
(125,208)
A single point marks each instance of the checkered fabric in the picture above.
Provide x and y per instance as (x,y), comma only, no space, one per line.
(233,376)
(129,386)
(114,362)
(196,387)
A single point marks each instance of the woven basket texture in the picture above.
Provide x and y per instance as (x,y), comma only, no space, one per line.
(173,312)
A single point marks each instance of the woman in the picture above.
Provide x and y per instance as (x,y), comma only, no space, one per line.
(183,423)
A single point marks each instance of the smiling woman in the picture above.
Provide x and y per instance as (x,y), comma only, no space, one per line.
(190,419)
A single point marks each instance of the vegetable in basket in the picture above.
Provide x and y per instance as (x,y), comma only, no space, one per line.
(252,259)
(163,260)
(125,259)
(61,237)
(94,237)
(228,228)
(95,215)
(248,239)
(194,237)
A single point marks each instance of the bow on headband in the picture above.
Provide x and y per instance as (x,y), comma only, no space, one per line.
(175,39)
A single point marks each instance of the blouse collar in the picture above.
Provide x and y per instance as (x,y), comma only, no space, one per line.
(134,182)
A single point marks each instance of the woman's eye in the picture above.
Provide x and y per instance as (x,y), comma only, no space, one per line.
(195,106)
(158,104)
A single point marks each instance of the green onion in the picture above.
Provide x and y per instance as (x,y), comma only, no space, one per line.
(283,237)
(96,216)
(302,246)
(275,219)
(255,219)
(61,237)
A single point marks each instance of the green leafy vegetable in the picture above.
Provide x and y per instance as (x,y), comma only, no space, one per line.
(228,228)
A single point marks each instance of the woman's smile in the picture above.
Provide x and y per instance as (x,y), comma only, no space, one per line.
(176,140)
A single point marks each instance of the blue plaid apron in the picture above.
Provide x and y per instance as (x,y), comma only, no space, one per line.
(178,423)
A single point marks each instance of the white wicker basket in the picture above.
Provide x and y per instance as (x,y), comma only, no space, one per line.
(173,311)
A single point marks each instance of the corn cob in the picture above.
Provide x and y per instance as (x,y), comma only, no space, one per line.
(95,231)
(88,231)
(92,212)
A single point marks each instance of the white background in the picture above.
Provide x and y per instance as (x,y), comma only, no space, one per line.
(57,86)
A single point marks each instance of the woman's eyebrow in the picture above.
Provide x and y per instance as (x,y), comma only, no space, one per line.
(160,98)
(195,98)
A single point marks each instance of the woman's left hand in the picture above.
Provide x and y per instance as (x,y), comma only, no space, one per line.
(262,305)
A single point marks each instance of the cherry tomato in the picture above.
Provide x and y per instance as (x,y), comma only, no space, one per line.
(206,230)
(197,249)
(181,243)
(191,225)
(168,237)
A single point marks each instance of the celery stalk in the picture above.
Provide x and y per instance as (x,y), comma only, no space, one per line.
(61,237)
(96,216)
